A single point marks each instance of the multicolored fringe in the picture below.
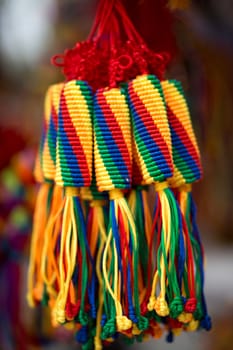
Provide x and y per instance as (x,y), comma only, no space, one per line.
(45,168)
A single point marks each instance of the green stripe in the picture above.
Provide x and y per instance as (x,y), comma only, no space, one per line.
(65,170)
(142,147)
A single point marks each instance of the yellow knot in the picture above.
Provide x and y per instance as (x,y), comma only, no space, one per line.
(97,203)
(72,191)
(146,337)
(123,323)
(54,322)
(177,331)
(70,326)
(85,193)
(185,188)
(192,326)
(60,313)
(30,300)
(98,343)
(151,304)
(160,186)
(115,194)
(185,317)
(38,292)
(161,307)
(157,332)
(110,340)
(135,330)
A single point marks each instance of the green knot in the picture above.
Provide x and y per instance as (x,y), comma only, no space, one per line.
(83,318)
(45,297)
(109,329)
(198,314)
(176,307)
(89,345)
(139,338)
(142,188)
(143,323)
(128,341)
(152,315)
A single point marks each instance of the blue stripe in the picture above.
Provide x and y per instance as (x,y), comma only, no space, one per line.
(53,134)
(111,145)
(69,155)
(184,154)
(152,147)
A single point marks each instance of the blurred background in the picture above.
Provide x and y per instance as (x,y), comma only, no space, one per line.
(30,33)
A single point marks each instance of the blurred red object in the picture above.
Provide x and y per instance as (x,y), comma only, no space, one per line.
(11,142)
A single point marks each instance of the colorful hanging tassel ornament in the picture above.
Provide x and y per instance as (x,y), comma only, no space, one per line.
(116,249)
(188,169)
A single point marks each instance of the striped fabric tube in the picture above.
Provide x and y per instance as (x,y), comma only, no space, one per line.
(113,146)
(186,155)
(51,121)
(187,170)
(150,128)
(74,139)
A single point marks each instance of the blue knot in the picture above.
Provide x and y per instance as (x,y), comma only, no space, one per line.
(143,323)
(82,335)
(184,300)
(103,320)
(206,323)
(132,315)
(170,337)
(93,312)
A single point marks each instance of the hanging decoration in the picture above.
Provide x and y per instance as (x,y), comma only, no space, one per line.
(116,249)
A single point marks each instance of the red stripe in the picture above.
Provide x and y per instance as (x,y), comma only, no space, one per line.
(150,124)
(77,147)
(183,135)
(115,130)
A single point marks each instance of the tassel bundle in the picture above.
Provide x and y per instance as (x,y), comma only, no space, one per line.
(115,247)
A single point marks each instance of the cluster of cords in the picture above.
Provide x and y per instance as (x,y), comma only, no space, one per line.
(103,264)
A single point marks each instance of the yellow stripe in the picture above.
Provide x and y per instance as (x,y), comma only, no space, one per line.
(48,164)
(48,104)
(103,180)
(117,102)
(81,118)
(56,95)
(38,173)
(177,179)
(178,105)
(58,177)
(152,100)
(147,179)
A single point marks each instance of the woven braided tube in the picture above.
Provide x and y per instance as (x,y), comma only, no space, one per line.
(51,115)
(113,148)
(46,156)
(150,128)
(186,155)
(74,140)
